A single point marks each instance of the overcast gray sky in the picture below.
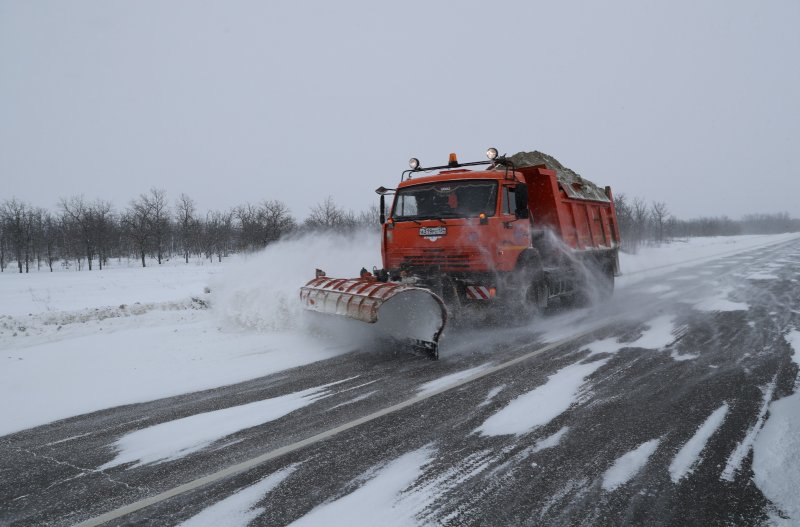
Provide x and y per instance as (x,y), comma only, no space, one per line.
(695,103)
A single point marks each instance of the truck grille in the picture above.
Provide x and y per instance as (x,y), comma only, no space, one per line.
(438,259)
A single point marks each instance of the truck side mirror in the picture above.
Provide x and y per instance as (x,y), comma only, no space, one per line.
(383,210)
(521,198)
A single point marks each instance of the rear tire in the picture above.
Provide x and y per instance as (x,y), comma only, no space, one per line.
(538,294)
(528,293)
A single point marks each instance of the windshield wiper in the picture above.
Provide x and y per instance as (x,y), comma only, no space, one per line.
(408,218)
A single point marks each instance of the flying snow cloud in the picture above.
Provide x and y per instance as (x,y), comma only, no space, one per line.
(261,291)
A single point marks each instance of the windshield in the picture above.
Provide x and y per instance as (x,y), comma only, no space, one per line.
(451,199)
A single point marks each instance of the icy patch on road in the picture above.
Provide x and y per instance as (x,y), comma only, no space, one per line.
(776,465)
(609,345)
(686,356)
(628,465)
(175,439)
(658,335)
(688,456)
(356,399)
(541,405)
(450,380)
(239,509)
(720,302)
(378,501)
(492,394)
(549,441)
(737,456)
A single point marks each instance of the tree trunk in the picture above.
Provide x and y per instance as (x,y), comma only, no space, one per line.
(186,254)
(143,264)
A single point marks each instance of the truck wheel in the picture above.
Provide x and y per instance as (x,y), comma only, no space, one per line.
(528,297)
(538,294)
(527,291)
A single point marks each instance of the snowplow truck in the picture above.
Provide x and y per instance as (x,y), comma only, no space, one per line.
(512,234)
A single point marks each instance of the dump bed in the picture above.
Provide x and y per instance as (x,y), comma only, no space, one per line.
(578,211)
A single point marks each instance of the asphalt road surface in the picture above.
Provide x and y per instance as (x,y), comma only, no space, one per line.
(716,371)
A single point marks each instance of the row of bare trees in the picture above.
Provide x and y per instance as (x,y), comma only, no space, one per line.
(88,233)
(641,223)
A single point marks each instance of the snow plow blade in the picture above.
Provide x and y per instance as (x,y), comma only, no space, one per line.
(403,313)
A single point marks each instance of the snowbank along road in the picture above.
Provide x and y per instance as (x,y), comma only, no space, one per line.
(673,405)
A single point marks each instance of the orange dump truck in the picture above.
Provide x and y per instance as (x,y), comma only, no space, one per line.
(513,235)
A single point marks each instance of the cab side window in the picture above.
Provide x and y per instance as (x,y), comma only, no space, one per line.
(507,207)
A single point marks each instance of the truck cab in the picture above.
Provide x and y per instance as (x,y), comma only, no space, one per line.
(456,221)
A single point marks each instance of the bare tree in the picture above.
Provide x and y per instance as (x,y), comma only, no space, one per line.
(185,209)
(102,225)
(250,227)
(82,215)
(624,218)
(640,217)
(137,221)
(217,233)
(369,218)
(14,213)
(51,231)
(156,201)
(660,214)
(327,216)
(277,220)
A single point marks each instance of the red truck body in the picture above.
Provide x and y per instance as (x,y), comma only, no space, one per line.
(477,252)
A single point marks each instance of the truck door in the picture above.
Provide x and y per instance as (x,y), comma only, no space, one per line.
(514,235)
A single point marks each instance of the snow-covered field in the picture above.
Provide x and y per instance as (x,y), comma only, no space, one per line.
(77,342)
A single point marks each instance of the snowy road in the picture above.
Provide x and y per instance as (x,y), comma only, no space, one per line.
(647,413)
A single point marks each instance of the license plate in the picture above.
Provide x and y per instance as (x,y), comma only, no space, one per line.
(432,231)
